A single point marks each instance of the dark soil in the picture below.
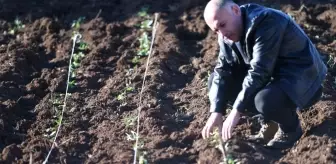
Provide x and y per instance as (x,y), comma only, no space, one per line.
(34,67)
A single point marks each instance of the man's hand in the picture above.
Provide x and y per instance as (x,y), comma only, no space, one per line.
(215,120)
(230,122)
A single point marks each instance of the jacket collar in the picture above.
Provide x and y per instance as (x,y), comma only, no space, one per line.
(243,17)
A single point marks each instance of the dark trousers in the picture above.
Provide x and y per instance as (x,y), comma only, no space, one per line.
(271,102)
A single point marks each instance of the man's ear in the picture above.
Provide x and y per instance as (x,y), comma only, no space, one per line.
(236,9)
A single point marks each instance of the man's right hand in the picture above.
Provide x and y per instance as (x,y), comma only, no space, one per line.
(215,120)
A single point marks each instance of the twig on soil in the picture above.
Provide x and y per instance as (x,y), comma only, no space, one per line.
(98,14)
(65,141)
(76,36)
(155,26)
(17,101)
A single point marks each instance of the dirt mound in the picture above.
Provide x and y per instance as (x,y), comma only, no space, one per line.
(98,123)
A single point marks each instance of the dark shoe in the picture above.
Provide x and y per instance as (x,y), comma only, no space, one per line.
(283,140)
(265,133)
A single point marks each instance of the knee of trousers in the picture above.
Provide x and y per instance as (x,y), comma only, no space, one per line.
(263,103)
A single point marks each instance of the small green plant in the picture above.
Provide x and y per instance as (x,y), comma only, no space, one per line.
(17,25)
(74,65)
(83,46)
(129,121)
(76,59)
(72,83)
(136,60)
(80,51)
(144,40)
(57,104)
(216,141)
(144,45)
(77,23)
(123,94)
(143,12)
(146,25)
(140,149)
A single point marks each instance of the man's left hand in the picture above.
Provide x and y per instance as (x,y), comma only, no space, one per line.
(230,122)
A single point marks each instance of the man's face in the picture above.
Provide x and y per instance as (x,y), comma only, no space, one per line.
(226,22)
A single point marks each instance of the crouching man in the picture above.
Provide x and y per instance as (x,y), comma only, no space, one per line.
(266,65)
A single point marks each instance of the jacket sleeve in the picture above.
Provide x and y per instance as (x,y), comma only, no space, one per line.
(221,80)
(267,41)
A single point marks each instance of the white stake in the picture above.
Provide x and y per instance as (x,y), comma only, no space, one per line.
(76,36)
(143,84)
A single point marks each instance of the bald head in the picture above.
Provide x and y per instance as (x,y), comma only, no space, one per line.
(214,6)
(224,17)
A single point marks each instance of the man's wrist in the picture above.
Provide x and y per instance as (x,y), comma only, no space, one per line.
(236,111)
(216,113)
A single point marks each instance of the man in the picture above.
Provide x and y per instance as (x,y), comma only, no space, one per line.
(266,64)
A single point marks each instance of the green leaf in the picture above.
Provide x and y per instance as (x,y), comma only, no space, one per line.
(142,160)
(75,64)
(144,45)
(73,74)
(129,89)
(143,11)
(81,54)
(11,31)
(142,53)
(121,96)
(72,83)
(83,46)
(146,24)
(136,60)
(76,23)
(76,58)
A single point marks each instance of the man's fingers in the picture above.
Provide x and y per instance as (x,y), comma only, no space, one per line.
(208,131)
(224,133)
(229,132)
(204,131)
(220,129)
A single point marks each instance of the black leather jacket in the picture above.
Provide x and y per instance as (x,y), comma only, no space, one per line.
(274,48)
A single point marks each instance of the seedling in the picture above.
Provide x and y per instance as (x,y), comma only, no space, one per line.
(146,25)
(143,12)
(216,141)
(17,26)
(136,60)
(123,94)
(76,23)
(144,45)
(130,121)
(72,83)
(57,106)
(56,101)
(83,46)
(75,64)
(132,137)
(76,59)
